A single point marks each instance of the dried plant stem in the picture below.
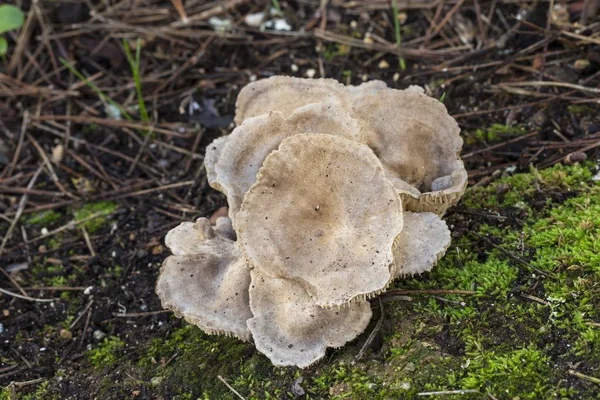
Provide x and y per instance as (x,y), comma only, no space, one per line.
(230,387)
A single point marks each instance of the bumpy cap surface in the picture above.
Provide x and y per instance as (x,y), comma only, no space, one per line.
(206,280)
(213,153)
(250,143)
(322,213)
(421,244)
(370,87)
(418,143)
(286,94)
(290,329)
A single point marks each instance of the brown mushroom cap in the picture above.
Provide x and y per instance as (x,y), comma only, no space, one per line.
(213,153)
(421,244)
(322,213)
(206,280)
(417,141)
(250,143)
(286,94)
(290,329)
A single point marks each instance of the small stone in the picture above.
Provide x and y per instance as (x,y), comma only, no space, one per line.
(6,313)
(310,73)
(296,389)
(158,250)
(502,188)
(99,335)
(57,154)
(402,17)
(368,39)
(45,231)
(294,68)
(396,77)
(538,119)
(581,64)
(65,334)
(141,253)
(353,24)
(156,380)
(410,367)
(575,157)
(88,290)
(254,20)
(383,64)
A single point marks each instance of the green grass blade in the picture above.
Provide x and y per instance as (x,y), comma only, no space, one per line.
(95,88)
(134,64)
(398,35)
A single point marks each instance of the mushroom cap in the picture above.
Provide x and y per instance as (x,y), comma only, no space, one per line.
(417,141)
(206,280)
(445,192)
(322,213)
(370,87)
(290,329)
(423,241)
(213,153)
(250,143)
(285,94)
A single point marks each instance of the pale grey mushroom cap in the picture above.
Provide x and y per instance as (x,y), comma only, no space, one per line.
(423,241)
(418,142)
(366,88)
(286,94)
(291,330)
(322,213)
(445,192)
(250,143)
(206,280)
(213,153)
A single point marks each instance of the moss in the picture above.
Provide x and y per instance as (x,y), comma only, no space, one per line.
(578,109)
(103,208)
(106,353)
(41,392)
(520,189)
(334,50)
(516,336)
(494,133)
(195,361)
(43,218)
(526,373)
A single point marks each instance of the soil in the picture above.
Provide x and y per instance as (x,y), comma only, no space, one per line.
(94,196)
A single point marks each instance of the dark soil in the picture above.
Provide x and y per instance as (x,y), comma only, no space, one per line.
(139,179)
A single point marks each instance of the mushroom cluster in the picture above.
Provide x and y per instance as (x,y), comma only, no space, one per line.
(334,191)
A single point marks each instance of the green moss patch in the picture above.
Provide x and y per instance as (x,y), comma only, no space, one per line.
(516,335)
(494,133)
(107,352)
(43,218)
(100,209)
